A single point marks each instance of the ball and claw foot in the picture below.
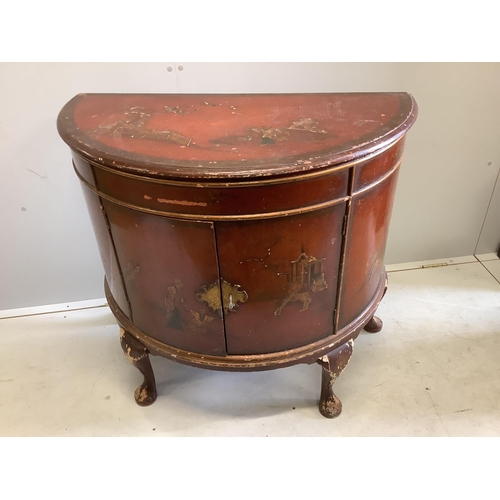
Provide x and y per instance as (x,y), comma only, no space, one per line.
(138,355)
(333,365)
(374,325)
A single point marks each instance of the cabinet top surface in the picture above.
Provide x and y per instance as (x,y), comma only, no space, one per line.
(232,135)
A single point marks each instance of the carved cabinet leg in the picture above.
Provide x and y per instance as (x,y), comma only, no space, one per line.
(333,365)
(374,325)
(138,355)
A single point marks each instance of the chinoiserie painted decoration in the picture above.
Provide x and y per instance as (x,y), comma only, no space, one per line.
(240,232)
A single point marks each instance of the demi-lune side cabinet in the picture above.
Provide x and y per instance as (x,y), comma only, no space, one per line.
(240,232)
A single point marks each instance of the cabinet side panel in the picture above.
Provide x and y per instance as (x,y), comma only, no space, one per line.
(106,250)
(288,266)
(165,263)
(366,239)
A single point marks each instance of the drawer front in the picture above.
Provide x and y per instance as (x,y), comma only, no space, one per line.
(220,201)
(287,269)
(165,263)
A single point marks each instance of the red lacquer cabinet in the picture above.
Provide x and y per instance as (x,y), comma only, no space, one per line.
(240,232)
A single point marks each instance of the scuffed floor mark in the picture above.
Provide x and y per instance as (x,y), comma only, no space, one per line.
(97,380)
(36,173)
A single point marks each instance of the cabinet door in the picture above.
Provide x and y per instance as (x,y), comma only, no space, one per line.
(280,279)
(165,263)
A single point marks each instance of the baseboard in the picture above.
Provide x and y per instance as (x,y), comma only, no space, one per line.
(423,264)
(52,308)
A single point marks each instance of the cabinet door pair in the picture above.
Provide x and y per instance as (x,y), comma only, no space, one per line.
(230,287)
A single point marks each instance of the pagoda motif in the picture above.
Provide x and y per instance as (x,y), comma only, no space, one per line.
(305,277)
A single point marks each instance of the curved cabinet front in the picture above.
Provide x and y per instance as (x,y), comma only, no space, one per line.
(240,285)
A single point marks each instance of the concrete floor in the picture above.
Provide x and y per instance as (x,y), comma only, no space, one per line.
(434,370)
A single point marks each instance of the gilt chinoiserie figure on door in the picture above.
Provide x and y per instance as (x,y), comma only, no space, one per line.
(240,232)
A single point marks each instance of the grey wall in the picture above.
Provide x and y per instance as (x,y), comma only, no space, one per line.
(48,253)
(489,239)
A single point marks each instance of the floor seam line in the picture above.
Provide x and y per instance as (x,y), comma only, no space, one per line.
(491,274)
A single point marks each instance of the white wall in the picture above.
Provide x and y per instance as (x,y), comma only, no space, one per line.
(48,253)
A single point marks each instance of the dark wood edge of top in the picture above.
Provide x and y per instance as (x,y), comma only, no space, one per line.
(225,170)
(245,182)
